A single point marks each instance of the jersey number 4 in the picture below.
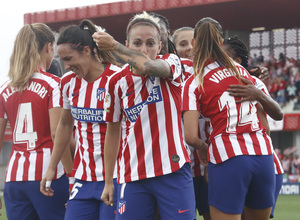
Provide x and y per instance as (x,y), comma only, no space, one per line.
(23,132)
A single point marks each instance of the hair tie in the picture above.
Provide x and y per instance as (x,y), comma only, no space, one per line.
(31,27)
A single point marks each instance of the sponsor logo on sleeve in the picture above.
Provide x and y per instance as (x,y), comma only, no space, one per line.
(107,102)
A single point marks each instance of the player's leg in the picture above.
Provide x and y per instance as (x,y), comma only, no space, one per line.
(51,207)
(228,186)
(257,214)
(216,214)
(260,196)
(17,204)
(175,194)
(278,185)
(201,196)
(109,212)
(135,201)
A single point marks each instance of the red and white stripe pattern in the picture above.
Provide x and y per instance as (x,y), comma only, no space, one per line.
(236,129)
(28,115)
(150,111)
(84,101)
(204,124)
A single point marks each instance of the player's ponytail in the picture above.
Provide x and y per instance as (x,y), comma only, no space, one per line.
(25,58)
(208,40)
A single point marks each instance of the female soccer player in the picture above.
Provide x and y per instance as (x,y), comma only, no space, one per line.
(143,107)
(237,50)
(182,39)
(30,102)
(240,168)
(83,90)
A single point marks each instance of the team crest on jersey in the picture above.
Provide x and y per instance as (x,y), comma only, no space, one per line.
(122,207)
(100,94)
(152,78)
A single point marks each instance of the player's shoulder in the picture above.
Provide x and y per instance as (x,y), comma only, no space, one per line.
(46,78)
(186,62)
(4,85)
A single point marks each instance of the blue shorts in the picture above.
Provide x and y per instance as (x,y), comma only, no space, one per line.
(85,202)
(173,194)
(278,185)
(23,200)
(242,181)
(201,194)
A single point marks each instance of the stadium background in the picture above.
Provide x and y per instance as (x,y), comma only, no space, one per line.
(268,27)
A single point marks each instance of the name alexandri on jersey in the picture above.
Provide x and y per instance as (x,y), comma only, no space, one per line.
(33,86)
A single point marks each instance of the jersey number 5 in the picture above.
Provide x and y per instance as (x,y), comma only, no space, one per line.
(23,132)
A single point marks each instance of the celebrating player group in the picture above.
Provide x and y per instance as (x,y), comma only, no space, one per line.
(156,127)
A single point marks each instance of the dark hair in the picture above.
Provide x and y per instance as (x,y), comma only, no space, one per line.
(55,68)
(80,36)
(162,18)
(239,48)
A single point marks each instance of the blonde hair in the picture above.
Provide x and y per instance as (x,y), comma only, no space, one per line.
(25,58)
(143,19)
(208,36)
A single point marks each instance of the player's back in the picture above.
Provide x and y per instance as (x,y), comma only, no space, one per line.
(28,115)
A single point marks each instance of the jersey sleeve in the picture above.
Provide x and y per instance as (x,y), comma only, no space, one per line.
(112,101)
(64,91)
(175,65)
(260,85)
(55,94)
(190,95)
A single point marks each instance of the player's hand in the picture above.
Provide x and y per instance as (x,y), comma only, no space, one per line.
(247,92)
(260,72)
(104,41)
(108,194)
(45,184)
(202,153)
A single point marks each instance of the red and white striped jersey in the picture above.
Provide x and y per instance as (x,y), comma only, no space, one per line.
(85,101)
(236,129)
(260,85)
(149,109)
(277,165)
(188,68)
(28,115)
(204,124)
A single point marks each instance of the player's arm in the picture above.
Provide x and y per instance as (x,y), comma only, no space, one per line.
(61,141)
(191,126)
(66,159)
(3,123)
(250,93)
(111,149)
(263,118)
(139,61)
